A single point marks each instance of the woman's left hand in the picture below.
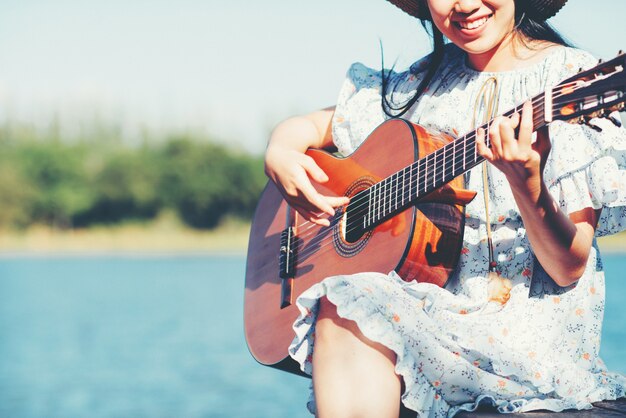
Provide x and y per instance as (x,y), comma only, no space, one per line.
(521,159)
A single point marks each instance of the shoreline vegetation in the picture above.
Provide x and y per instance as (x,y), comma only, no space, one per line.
(97,192)
(164,236)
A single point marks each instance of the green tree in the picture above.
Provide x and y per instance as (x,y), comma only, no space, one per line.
(58,177)
(206,181)
(126,187)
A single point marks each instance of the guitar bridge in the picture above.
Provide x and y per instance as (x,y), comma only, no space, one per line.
(287,258)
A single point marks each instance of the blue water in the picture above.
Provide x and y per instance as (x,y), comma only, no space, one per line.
(157,337)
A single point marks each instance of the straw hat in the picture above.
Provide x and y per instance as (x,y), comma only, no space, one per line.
(538,9)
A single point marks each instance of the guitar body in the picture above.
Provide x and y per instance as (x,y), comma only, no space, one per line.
(421,243)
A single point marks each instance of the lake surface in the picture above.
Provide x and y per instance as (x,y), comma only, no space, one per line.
(158,337)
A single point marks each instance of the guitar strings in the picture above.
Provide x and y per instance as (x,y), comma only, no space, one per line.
(464,141)
(468,138)
(471,136)
(316,245)
(422,180)
(451,159)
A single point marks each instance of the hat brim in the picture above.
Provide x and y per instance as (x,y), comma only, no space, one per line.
(537,9)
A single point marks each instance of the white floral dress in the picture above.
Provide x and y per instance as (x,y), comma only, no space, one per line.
(455,349)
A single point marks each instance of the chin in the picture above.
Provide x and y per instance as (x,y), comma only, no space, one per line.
(477,48)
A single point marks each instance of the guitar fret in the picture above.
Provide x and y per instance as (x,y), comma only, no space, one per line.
(364,219)
(374,187)
(430,173)
(422,180)
(475,144)
(385,195)
(403,185)
(400,190)
(472,144)
(369,207)
(370,211)
(425,173)
(443,172)
(377,202)
(397,188)
(411,181)
(464,151)
(381,200)
(389,195)
(392,194)
(453,156)
(434,168)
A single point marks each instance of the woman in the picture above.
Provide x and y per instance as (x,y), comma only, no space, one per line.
(518,324)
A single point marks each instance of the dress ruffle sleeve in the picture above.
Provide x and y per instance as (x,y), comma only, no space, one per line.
(359,109)
(587,169)
(357,102)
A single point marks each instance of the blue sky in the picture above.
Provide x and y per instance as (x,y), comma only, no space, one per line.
(230,68)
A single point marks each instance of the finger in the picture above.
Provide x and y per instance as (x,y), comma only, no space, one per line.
(494,138)
(315,199)
(481,147)
(526,127)
(515,120)
(543,145)
(320,221)
(508,142)
(313,214)
(310,215)
(313,170)
(337,201)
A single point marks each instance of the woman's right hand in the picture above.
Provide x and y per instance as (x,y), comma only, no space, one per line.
(291,171)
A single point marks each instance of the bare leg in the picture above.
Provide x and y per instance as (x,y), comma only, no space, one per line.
(352,375)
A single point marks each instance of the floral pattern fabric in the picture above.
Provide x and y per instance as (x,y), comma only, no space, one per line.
(455,349)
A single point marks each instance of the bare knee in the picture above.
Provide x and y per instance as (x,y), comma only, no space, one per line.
(330,327)
(353,376)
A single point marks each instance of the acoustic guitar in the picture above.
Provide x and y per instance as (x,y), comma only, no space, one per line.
(406,210)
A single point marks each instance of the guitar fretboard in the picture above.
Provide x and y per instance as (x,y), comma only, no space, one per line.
(403,188)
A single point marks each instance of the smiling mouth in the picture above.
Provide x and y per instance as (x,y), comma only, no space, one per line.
(474,24)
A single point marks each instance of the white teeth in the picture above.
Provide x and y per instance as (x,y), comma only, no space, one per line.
(473,24)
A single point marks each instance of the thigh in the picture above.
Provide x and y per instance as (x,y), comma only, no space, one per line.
(352,373)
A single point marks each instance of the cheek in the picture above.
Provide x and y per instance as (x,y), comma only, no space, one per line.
(440,18)
(440,9)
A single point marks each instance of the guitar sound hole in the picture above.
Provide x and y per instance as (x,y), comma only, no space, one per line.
(343,246)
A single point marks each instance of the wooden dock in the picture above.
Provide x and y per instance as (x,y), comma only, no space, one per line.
(600,409)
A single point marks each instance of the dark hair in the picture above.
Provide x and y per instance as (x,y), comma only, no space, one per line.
(527,28)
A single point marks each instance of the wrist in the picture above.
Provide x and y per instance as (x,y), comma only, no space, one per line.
(528,195)
(532,193)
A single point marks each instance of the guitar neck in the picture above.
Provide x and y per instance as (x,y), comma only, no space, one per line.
(403,188)
(453,159)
